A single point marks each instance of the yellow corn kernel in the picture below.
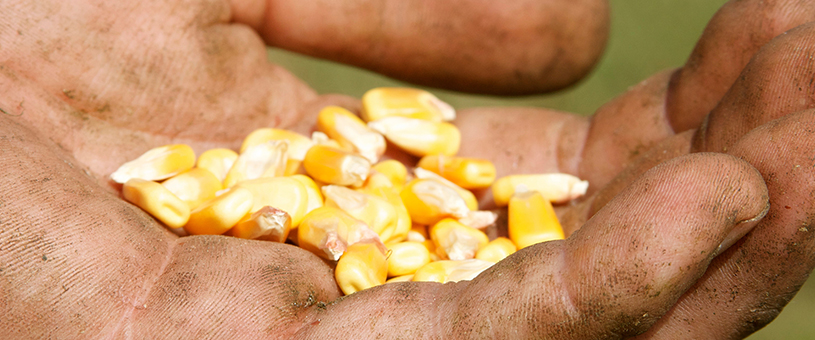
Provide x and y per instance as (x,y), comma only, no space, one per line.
(283,193)
(375,211)
(405,102)
(406,257)
(399,231)
(261,160)
(418,233)
(555,187)
(403,278)
(320,138)
(419,137)
(268,224)
(298,144)
(468,173)
(335,166)
(467,195)
(362,266)
(456,241)
(496,250)
(315,197)
(157,201)
(194,186)
(394,170)
(431,248)
(376,182)
(479,219)
(428,201)
(328,231)
(351,132)
(217,161)
(157,164)
(451,271)
(216,216)
(532,220)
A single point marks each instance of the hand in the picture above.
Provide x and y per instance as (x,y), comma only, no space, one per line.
(77,260)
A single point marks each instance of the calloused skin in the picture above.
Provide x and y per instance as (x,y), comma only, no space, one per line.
(698,222)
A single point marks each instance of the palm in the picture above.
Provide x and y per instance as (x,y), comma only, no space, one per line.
(85,262)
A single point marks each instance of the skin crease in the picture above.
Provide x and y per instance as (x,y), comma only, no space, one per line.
(78,262)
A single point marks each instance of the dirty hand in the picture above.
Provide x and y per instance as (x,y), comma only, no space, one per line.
(88,85)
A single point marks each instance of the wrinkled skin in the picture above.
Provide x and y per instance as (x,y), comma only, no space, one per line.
(681,167)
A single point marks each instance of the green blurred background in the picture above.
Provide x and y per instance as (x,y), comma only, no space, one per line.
(646,36)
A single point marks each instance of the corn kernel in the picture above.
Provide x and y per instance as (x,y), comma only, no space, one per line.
(468,173)
(351,132)
(399,230)
(194,186)
(429,201)
(375,211)
(403,278)
(362,266)
(419,137)
(496,250)
(284,193)
(261,160)
(456,241)
(157,164)
(328,231)
(298,144)
(418,233)
(467,195)
(320,138)
(451,271)
(404,102)
(532,220)
(479,219)
(395,171)
(157,201)
(217,161)
(268,224)
(315,197)
(556,187)
(216,216)
(335,166)
(406,257)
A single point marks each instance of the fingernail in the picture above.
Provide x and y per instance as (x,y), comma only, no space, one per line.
(738,231)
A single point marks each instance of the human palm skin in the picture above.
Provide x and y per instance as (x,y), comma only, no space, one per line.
(88,85)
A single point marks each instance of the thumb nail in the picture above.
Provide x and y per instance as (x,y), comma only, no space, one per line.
(739,230)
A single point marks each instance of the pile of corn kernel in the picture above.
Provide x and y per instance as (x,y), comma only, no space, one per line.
(331,194)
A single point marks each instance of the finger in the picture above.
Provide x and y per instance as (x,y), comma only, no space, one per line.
(731,38)
(778,81)
(747,286)
(499,48)
(78,262)
(613,278)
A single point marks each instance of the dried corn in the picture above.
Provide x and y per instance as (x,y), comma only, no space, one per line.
(468,173)
(405,102)
(217,161)
(554,187)
(496,250)
(362,266)
(456,241)
(157,164)
(451,271)
(157,201)
(194,186)
(419,137)
(262,160)
(406,257)
(335,166)
(328,231)
(351,132)
(428,201)
(532,220)
(216,216)
(268,224)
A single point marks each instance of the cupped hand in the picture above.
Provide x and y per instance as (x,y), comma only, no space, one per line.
(88,86)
